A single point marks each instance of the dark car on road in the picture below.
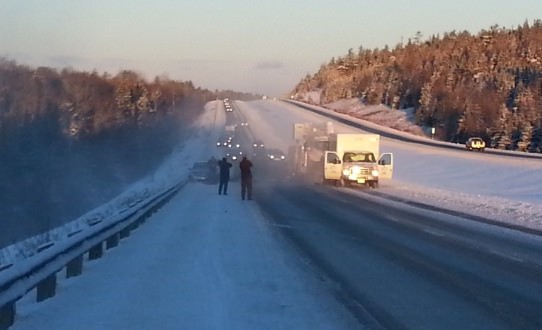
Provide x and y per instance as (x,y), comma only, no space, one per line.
(203,172)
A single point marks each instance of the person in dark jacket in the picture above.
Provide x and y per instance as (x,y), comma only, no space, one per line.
(224,176)
(246,178)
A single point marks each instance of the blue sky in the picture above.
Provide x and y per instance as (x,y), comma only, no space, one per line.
(244,45)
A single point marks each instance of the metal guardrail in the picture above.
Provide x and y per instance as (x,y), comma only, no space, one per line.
(41,270)
(343,118)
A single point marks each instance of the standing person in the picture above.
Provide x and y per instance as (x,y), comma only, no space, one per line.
(224,176)
(246,178)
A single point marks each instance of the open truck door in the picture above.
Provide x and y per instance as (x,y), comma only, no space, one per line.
(385,166)
(333,166)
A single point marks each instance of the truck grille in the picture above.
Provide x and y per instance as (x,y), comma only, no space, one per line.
(359,171)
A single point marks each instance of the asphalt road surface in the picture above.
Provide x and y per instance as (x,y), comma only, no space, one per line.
(399,268)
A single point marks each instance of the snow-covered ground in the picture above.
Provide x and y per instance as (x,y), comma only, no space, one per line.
(402,119)
(206,261)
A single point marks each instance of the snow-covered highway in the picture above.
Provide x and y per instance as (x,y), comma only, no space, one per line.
(206,261)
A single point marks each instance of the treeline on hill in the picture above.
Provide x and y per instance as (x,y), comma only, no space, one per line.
(487,85)
(70,140)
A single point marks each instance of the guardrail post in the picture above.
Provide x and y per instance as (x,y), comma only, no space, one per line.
(7,315)
(46,288)
(147,215)
(112,241)
(143,218)
(96,251)
(135,224)
(125,232)
(74,267)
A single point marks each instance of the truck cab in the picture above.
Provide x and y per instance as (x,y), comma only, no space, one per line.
(346,165)
(359,167)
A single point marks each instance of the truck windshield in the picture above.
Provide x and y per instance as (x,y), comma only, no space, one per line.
(350,157)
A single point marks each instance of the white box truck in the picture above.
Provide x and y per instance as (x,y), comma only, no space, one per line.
(356,159)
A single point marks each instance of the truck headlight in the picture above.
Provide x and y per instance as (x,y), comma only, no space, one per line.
(346,171)
(374,172)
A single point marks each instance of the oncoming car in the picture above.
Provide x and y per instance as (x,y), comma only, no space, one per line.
(234,156)
(258,144)
(234,145)
(224,142)
(475,143)
(276,154)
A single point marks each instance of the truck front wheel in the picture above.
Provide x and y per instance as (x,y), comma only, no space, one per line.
(344,183)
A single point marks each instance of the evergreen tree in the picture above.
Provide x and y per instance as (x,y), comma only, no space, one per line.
(524,143)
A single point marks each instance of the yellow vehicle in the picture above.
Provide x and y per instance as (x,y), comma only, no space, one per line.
(475,143)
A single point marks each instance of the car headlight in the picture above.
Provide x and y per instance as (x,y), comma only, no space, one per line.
(282,157)
(271,156)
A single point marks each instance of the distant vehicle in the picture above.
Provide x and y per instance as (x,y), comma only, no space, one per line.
(475,143)
(230,129)
(224,142)
(234,145)
(234,156)
(258,144)
(200,171)
(244,123)
(276,154)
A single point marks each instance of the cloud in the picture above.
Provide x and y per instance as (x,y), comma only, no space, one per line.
(273,65)
(265,77)
(64,61)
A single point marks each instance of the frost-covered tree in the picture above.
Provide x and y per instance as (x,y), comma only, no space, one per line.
(501,137)
(442,77)
(524,142)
